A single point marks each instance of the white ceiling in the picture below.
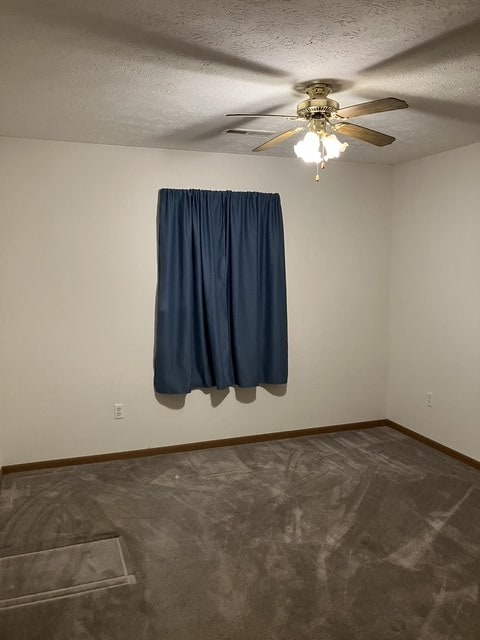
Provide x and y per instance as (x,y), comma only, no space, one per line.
(164,74)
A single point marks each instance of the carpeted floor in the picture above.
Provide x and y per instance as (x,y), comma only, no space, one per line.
(362,535)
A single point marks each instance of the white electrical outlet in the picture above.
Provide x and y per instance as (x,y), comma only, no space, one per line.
(118,411)
(429,399)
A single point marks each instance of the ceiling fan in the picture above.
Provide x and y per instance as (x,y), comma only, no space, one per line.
(323,117)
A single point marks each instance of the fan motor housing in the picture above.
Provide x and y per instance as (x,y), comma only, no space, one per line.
(311,107)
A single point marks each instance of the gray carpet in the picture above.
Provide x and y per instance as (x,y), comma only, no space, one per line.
(364,535)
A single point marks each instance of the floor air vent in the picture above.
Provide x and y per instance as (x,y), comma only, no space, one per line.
(50,574)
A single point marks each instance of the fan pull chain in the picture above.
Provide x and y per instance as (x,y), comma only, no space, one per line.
(322,166)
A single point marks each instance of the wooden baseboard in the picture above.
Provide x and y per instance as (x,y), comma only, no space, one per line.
(227,442)
(472,462)
(190,446)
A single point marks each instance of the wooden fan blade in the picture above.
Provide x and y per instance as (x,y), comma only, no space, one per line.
(375,106)
(362,133)
(261,115)
(280,138)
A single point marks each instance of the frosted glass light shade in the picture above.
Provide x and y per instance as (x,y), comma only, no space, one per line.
(333,147)
(308,149)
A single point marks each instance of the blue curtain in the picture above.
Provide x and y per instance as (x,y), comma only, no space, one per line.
(221,298)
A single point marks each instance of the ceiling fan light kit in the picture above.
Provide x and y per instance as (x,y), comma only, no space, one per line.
(319,144)
(324,118)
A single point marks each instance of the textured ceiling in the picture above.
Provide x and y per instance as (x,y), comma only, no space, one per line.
(164,74)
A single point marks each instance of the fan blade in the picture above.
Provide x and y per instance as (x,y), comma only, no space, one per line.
(454,110)
(362,133)
(280,138)
(375,106)
(261,115)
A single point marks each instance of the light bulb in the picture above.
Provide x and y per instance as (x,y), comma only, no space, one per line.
(308,149)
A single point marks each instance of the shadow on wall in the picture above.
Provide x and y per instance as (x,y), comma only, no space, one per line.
(245,395)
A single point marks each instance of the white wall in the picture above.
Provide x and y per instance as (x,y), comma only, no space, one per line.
(435,298)
(78,278)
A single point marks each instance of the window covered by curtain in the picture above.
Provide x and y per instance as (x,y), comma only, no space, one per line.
(221,298)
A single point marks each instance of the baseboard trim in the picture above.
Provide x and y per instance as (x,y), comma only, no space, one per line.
(190,446)
(227,442)
(472,462)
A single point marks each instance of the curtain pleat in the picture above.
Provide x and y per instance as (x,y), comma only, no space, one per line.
(221,298)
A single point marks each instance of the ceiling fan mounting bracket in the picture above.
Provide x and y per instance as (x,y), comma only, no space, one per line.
(318,90)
